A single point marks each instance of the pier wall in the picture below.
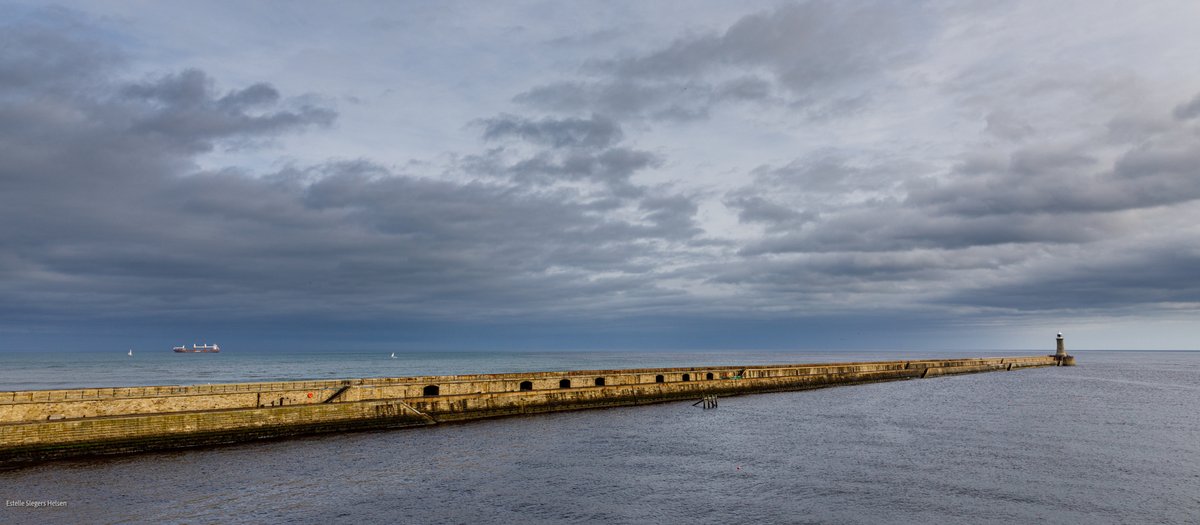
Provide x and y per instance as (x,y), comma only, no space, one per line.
(47,424)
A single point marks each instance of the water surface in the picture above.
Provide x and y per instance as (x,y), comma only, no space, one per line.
(1115,440)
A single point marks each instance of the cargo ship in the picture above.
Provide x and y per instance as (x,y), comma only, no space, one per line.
(204,348)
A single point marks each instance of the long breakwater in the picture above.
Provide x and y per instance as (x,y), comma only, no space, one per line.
(39,425)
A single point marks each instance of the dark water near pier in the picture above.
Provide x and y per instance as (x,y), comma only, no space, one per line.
(1114,440)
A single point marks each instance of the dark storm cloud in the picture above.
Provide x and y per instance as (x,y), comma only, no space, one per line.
(106,216)
(1037,194)
(1045,228)
(894,228)
(185,110)
(805,206)
(777,217)
(594,132)
(829,173)
(562,150)
(848,275)
(803,45)
(1147,275)
(610,168)
(931,177)
(1063,182)
(1188,110)
(672,215)
(812,55)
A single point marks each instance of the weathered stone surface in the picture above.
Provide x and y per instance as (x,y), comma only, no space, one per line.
(47,424)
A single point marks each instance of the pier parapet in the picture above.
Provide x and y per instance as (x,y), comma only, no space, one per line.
(39,425)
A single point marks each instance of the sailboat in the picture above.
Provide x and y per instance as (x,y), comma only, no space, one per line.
(130,352)
(393,355)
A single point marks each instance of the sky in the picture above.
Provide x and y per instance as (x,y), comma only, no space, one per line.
(541,175)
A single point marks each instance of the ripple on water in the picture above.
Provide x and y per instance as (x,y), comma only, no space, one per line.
(1099,443)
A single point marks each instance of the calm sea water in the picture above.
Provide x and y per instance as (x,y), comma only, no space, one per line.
(1114,440)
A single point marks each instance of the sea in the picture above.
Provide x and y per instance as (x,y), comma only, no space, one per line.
(1115,439)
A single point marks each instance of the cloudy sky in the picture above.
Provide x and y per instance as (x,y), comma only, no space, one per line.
(592,175)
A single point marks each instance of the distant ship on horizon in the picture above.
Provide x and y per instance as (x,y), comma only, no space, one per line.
(198,349)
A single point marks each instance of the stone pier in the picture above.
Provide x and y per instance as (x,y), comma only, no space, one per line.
(47,424)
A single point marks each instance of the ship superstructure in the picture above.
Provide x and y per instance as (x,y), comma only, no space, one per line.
(198,349)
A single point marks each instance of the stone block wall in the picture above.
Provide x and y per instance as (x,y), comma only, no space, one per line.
(47,424)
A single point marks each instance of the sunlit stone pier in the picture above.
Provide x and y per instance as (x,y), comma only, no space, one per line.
(46,424)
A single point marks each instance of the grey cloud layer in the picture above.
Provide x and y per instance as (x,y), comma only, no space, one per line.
(815,55)
(594,132)
(183,109)
(105,213)
(549,151)
(1065,229)
(569,209)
